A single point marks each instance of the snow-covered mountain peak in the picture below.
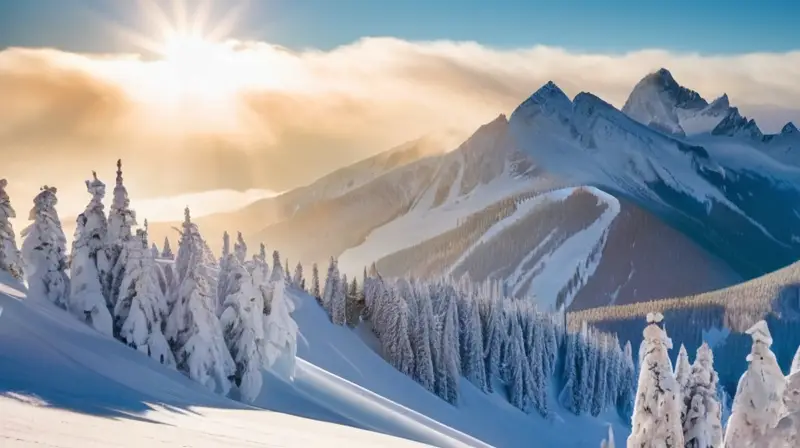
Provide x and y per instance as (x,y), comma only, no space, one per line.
(660,102)
(789,129)
(720,104)
(736,125)
(548,100)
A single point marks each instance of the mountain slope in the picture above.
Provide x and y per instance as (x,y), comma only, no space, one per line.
(90,388)
(80,387)
(709,188)
(719,318)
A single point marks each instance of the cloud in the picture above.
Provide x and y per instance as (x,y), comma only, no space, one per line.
(261,116)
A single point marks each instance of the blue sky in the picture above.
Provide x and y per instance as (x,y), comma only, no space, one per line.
(708,27)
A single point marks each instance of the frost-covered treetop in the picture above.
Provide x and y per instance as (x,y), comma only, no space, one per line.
(121,200)
(760,333)
(655,318)
(6,211)
(226,244)
(44,202)
(96,188)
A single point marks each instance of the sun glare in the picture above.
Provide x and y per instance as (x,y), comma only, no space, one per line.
(191,73)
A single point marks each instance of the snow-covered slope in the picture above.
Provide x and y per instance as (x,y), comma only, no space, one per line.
(348,354)
(64,385)
(705,187)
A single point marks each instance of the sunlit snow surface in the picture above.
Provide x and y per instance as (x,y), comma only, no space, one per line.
(64,385)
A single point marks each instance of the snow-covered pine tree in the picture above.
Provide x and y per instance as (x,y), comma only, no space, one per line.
(588,370)
(567,397)
(44,251)
(493,338)
(537,368)
(421,337)
(339,302)
(627,390)
(154,251)
(147,309)
(286,269)
(516,361)
(599,393)
(166,251)
(90,266)
(330,286)
(315,283)
(298,275)
(120,221)
(277,269)
(394,323)
(702,424)
(227,261)
(10,260)
(280,328)
(657,411)
(447,370)
(86,300)
(786,433)
(472,363)
(683,371)
(352,305)
(193,329)
(243,327)
(758,403)
(240,248)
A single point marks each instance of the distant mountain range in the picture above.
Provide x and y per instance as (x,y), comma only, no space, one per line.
(570,200)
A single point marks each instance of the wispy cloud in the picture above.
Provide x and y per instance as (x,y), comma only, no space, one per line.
(262,116)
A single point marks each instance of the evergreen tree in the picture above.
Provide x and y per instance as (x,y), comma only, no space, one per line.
(515,359)
(242,323)
(599,394)
(193,329)
(240,248)
(90,267)
(286,268)
(280,328)
(166,252)
(394,333)
(537,370)
(154,252)
(702,424)
(352,305)
(120,221)
(758,403)
(683,370)
(298,275)
(227,262)
(44,251)
(277,270)
(86,300)
(421,338)
(787,432)
(627,390)
(567,397)
(493,337)
(657,411)
(472,364)
(588,370)
(145,303)
(330,286)
(315,283)
(447,369)
(339,301)
(10,260)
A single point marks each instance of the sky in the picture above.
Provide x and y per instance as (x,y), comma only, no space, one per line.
(708,27)
(268,95)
